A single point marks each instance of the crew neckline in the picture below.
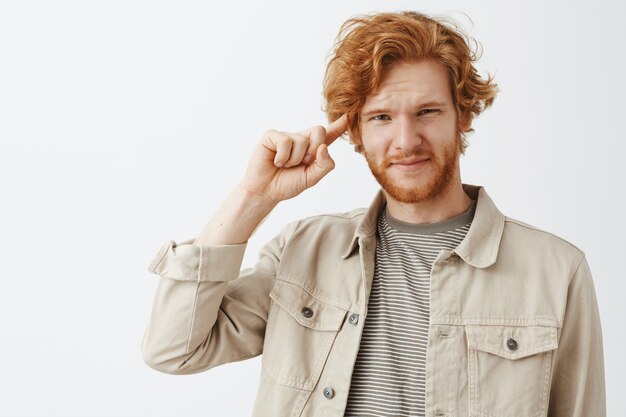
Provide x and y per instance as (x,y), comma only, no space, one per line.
(452,223)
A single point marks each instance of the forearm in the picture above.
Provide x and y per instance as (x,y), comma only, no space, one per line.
(206,311)
(173,334)
(192,285)
(236,219)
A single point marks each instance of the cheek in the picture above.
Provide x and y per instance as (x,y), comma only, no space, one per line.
(440,131)
(375,138)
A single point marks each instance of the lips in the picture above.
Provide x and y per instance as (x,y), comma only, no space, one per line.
(410,164)
(409,161)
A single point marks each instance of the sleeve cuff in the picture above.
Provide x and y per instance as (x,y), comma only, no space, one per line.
(187,262)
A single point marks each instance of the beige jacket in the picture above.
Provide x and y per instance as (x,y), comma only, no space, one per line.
(514,324)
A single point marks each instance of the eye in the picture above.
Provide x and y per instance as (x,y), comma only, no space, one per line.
(427,111)
(381,117)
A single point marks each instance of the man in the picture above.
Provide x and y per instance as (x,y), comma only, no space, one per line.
(430,302)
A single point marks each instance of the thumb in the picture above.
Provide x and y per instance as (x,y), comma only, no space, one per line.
(322,165)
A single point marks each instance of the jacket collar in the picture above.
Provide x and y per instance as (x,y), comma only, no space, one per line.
(480,246)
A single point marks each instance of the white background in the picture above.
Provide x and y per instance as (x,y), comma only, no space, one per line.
(123,124)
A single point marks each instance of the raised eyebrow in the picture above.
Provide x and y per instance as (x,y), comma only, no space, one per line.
(375,111)
(431,104)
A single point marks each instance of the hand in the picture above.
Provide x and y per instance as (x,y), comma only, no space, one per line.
(285,164)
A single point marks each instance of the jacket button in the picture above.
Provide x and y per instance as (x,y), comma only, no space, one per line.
(329,392)
(307,312)
(511,344)
(353,319)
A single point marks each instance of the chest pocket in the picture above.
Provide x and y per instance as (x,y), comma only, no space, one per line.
(300,332)
(509,369)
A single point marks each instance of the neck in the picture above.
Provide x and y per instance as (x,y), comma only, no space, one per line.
(450,203)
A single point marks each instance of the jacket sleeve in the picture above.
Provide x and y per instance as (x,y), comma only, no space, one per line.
(578,382)
(207,312)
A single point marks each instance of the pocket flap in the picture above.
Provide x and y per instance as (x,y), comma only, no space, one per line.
(512,342)
(321,315)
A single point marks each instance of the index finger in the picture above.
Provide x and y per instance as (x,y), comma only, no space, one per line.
(336,129)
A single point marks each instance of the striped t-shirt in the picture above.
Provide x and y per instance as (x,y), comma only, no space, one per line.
(389,377)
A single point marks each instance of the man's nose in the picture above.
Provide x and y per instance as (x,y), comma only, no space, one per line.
(407,134)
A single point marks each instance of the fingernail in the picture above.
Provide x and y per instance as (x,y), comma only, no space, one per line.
(307,158)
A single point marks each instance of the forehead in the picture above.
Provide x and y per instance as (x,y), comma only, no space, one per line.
(423,80)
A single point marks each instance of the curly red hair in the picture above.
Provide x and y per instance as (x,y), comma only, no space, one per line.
(367,45)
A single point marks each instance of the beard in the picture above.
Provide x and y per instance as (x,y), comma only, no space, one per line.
(429,182)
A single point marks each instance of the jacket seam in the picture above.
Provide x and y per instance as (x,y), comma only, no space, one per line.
(193,317)
(580,261)
(200,264)
(237,359)
(296,225)
(345,216)
(537,229)
(546,347)
(495,321)
(314,292)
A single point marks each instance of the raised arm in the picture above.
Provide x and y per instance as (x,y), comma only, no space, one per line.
(206,311)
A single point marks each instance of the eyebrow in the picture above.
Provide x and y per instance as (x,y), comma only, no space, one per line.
(384,110)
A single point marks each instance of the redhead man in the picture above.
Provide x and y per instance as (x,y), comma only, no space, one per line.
(430,302)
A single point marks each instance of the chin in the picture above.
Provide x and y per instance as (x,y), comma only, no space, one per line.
(411,188)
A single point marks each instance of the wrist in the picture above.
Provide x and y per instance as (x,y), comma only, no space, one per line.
(256,199)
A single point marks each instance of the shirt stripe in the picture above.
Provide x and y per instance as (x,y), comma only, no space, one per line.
(389,377)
